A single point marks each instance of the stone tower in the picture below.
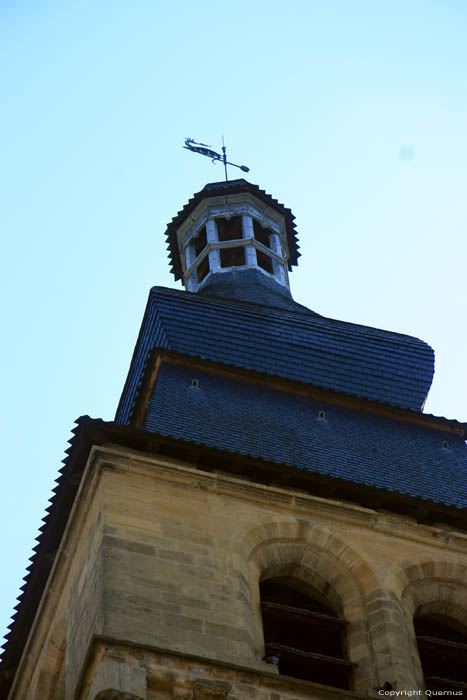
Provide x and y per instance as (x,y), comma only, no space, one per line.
(269,517)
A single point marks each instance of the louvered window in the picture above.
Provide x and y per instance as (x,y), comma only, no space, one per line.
(303,635)
(442,646)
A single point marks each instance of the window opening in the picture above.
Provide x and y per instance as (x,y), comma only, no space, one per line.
(232,257)
(229,229)
(304,633)
(442,646)
(200,242)
(203,268)
(264,261)
(261,234)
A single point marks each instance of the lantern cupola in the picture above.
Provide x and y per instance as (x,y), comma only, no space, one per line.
(232,227)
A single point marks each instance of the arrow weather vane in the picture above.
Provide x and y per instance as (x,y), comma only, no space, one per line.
(205,150)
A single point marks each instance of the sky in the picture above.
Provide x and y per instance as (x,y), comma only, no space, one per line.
(352,114)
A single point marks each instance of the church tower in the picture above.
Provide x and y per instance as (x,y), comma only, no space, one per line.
(271,516)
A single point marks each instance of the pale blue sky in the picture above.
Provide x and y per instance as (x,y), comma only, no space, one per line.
(351,113)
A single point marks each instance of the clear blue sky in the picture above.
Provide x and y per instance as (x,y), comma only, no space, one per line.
(353,114)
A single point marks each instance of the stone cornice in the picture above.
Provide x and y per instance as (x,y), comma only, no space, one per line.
(300,504)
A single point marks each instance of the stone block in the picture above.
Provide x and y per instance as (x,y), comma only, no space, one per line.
(118,676)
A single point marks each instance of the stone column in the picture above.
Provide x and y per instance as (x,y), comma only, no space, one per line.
(278,268)
(192,281)
(211,235)
(248,232)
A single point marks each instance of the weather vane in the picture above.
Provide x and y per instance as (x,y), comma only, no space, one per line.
(205,150)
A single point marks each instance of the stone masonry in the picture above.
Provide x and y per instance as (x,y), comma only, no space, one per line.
(154,594)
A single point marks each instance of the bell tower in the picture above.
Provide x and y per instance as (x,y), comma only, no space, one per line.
(270,516)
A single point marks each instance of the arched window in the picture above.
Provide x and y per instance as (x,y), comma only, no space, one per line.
(302,633)
(442,646)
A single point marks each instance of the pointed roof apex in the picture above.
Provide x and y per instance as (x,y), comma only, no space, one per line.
(226,188)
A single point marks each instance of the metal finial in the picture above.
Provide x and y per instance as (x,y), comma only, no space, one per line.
(205,150)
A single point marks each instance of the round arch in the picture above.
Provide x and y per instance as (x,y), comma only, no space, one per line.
(430,586)
(313,554)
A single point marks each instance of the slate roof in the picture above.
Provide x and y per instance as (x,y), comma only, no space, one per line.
(214,189)
(252,286)
(259,422)
(290,343)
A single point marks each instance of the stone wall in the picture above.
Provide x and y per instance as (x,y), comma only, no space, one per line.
(126,672)
(163,561)
(70,612)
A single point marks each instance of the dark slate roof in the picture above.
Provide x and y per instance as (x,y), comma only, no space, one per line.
(259,422)
(214,189)
(252,286)
(293,344)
